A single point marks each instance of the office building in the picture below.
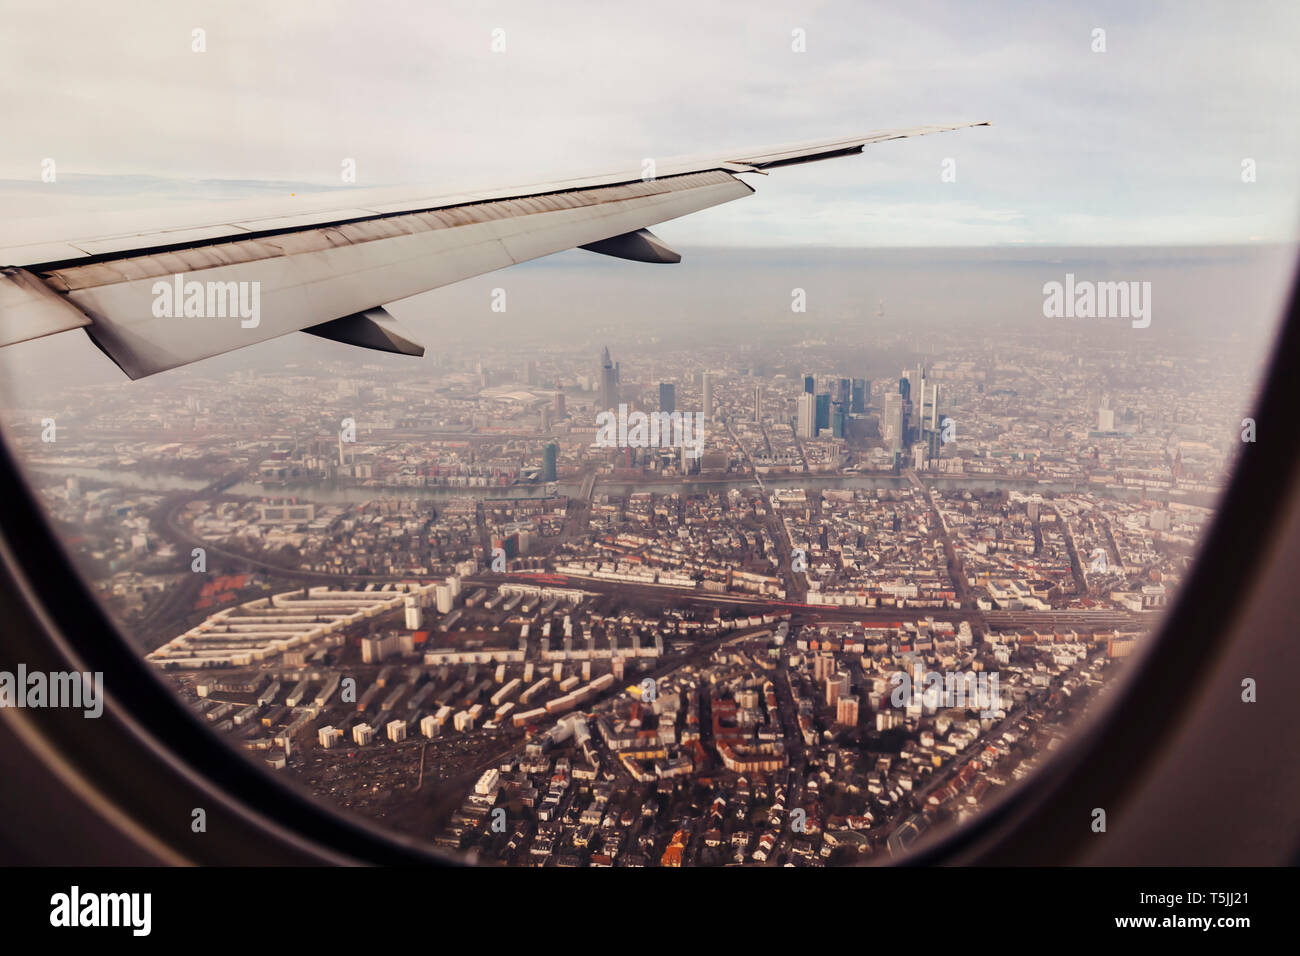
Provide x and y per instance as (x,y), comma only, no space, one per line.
(708,394)
(891,422)
(667,397)
(807,416)
(858,400)
(550,461)
(823,411)
(608,396)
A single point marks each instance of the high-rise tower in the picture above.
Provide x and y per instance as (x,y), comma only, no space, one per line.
(608,397)
(807,420)
(824,410)
(667,397)
(858,401)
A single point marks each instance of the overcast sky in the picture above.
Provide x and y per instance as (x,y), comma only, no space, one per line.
(1140,144)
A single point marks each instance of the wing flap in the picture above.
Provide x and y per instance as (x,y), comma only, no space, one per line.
(30,309)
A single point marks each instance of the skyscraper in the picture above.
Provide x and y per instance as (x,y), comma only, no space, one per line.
(838,420)
(844,391)
(807,420)
(550,457)
(667,397)
(858,403)
(758,403)
(921,393)
(708,394)
(809,384)
(608,397)
(824,410)
(891,422)
(559,405)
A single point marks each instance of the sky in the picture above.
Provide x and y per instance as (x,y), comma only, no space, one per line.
(1142,144)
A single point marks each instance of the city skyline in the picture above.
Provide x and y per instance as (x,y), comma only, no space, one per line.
(851,642)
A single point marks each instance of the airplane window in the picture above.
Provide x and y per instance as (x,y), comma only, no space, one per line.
(796,551)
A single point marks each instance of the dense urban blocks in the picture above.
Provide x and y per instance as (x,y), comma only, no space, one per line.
(450,607)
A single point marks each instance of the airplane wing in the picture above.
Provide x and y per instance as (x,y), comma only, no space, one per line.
(170,293)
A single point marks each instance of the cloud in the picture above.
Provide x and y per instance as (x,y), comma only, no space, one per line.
(1146,138)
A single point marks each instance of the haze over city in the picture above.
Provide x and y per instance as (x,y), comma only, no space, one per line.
(803,550)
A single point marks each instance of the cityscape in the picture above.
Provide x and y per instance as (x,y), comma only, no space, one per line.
(624,604)
(506,437)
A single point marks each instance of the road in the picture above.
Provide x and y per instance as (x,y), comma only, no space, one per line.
(956,570)
(796,584)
